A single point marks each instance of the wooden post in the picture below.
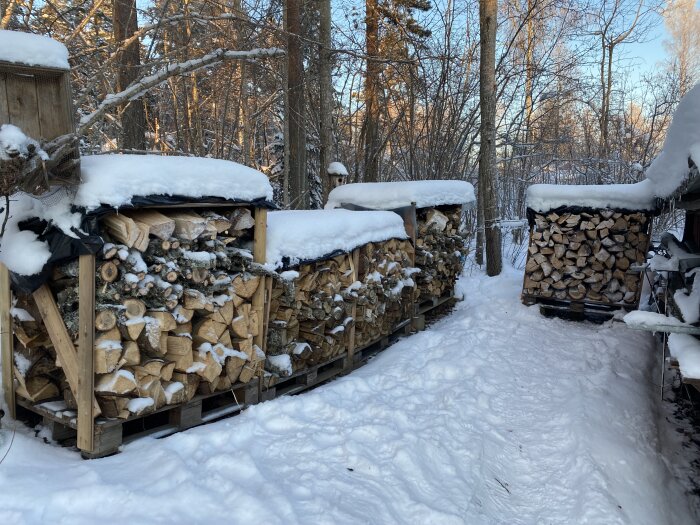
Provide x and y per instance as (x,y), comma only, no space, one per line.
(354,265)
(7,340)
(268,300)
(413,233)
(259,256)
(86,342)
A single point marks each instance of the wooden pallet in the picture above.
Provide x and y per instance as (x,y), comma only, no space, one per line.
(575,310)
(308,378)
(110,434)
(365,353)
(425,304)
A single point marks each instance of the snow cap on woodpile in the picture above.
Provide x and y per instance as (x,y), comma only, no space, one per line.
(388,195)
(114,180)
(545,197)
(309,235)
(666,174)
(32,50)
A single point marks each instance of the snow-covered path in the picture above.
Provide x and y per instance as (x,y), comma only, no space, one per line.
(493,415)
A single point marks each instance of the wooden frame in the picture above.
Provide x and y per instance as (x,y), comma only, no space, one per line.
(259,256)
(354,258)
(7,340)
(86,338)
(78,362)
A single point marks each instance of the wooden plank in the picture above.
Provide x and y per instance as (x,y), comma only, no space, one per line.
(22,103)
(4,110)
(354,265)
(259,256)
(268,301)
(13,67)
(7,340)
(60,339)
(86,341)
(54,120)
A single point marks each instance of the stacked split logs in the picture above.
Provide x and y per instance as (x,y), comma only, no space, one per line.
(440,250)
(310,315)
(586,256)
(313,307)
(387,290)
(173,313)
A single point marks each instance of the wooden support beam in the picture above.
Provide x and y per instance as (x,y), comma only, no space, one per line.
(86,342)
(354,260)
(7,340)
(60,339)
(259,256)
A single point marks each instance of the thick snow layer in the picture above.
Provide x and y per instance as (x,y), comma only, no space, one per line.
(686,349)
(114,180)
(545,197)
(22,251)
(14,143)
(308,235)
(670,168)
(650,320)
(388,195)
(689,304)
(667,172)
(494,415)
(32,50)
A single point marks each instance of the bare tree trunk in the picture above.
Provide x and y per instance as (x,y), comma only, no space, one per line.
(298,183)
(488,11)
(133,117)
(479,252)
(371,125)
(325,93)
(6,10)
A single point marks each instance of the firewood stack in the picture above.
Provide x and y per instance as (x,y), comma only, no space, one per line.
(387,289)
(310,314)
(173,312)
(440,250)
(586,256)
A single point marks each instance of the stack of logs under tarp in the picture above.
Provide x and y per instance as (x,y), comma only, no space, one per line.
(440,250)
(585,256)
(311,311)
(173,313)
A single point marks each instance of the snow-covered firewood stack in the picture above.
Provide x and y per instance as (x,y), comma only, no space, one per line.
(584,243)
(173,306)
(440,249)
(433,221)
(174,287)
(310,312)
(317,288)
(387,291)
(586,256)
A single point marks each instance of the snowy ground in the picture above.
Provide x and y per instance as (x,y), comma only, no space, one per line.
(494,415)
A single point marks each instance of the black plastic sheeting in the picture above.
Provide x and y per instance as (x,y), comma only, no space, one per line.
(88,241)
(530,213)
(63,248)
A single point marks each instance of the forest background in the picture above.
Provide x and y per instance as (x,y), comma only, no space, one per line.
(585,89)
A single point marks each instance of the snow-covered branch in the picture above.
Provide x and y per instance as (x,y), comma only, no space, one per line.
(140,87)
